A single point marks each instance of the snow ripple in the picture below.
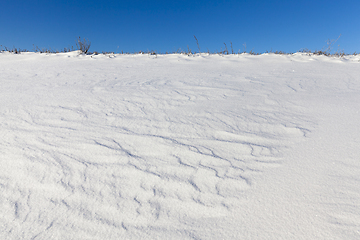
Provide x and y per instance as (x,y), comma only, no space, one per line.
(112,153)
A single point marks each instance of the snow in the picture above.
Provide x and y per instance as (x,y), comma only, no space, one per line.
(179,147)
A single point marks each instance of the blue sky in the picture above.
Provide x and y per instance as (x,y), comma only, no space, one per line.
(134,25)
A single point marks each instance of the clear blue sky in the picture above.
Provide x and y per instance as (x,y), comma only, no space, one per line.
(134,25)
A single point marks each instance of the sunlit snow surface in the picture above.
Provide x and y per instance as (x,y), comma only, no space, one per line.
(179,147)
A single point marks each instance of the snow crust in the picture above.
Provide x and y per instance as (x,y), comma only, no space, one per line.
(179,147)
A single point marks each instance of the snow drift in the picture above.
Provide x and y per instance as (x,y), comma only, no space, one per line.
(179,147)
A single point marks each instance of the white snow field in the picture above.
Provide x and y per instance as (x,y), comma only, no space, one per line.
(179,147)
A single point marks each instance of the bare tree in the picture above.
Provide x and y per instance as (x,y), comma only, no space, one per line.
(83,45)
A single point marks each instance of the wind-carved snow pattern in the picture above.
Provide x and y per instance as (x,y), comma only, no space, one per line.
(136,147)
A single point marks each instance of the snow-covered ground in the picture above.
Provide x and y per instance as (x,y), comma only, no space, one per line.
(179,147)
